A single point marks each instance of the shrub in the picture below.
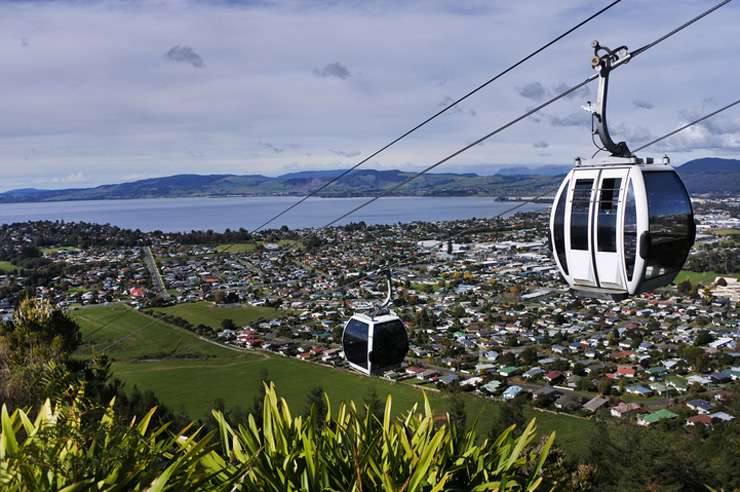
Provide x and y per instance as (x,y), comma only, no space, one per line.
(75,445)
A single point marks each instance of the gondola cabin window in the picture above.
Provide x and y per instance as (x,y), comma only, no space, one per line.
(670,223)
(580,214)
(607,220)
(355,342)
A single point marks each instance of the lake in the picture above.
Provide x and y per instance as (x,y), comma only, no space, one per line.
(218,214)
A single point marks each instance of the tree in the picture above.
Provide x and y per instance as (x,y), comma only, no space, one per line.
(605,386)
(92,446)
(512,413)
(703,338)
(35,350)
(37,325)
(219,296)
(458,417)
(228,324)
(263,383)
(684,288)
(374,405)
(316,404)
(528,355)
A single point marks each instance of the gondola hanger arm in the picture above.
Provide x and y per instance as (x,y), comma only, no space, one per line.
(605,60)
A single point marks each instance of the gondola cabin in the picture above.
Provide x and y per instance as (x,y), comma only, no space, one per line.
(621,226)
(374,344)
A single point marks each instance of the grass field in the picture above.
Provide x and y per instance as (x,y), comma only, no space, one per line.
(238,247)
(7,267)
(126,334)
(703,278)
(58,249)
(726,232)
(212,315)
(146,351)
(250,246)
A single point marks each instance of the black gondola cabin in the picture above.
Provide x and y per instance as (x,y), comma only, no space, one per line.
(373,345)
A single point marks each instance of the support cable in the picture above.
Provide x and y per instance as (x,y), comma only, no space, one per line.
(435,115)
(645,48)
(519,205)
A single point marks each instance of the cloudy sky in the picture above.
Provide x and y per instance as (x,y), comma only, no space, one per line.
(103,91)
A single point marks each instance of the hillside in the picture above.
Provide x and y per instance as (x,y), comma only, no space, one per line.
(189,373)
(360,183)
(712,175)
(708,175)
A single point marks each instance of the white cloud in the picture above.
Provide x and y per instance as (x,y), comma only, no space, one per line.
(90,93)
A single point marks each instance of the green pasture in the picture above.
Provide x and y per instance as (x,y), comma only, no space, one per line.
(250,246)
(7,267)
(58,249)
(126,334)
(238,247)
(186,372)
(726,232)
(212,315)
(703,278)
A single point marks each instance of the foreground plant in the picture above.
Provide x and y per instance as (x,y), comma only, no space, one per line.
(354,451)
(73,445)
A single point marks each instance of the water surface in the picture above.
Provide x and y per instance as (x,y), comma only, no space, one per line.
(185,214)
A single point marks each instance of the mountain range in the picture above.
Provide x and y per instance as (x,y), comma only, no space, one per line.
(708,175)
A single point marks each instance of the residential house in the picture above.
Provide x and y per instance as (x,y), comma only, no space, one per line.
(595,403)
(625,409)
(700,406)
(657,416)
(512,392)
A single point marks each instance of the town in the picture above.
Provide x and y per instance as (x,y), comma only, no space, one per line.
(483,303)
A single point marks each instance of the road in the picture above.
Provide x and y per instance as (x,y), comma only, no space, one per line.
(157,281)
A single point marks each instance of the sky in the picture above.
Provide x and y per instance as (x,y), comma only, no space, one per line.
(106,91)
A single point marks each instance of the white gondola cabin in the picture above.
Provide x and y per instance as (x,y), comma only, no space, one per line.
(619,225)
(621,229)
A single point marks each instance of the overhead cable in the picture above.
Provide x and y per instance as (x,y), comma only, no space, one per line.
(645,48)
(435,115)
(699,120)
(521,204)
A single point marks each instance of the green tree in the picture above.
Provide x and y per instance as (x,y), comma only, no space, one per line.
(35,350)
(74,445)
(512,413)
(458,417)
(316,404)
(528,356)
(605,386)
(374,405)
(703,338)
(684,288)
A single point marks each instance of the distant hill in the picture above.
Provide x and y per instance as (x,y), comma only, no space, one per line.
(551,170)
(359,183)
(712,175)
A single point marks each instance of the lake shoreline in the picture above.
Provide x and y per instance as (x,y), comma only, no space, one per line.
(221,213)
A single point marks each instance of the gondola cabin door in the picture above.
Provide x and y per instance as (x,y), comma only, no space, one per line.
(578,223)
(607,230)
(593,227)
